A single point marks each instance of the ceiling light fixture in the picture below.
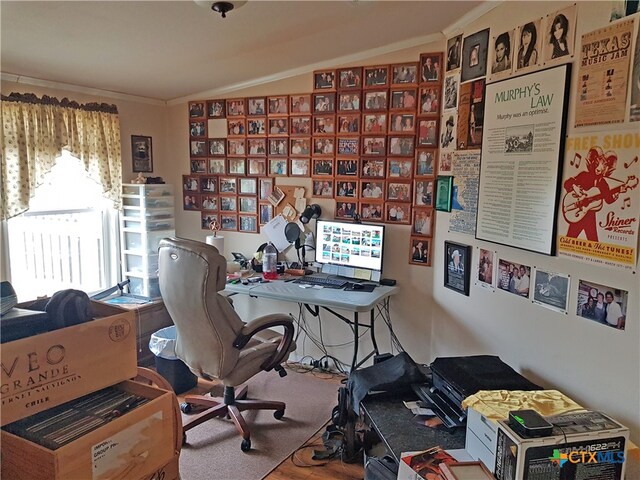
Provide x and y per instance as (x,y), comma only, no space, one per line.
(220,7)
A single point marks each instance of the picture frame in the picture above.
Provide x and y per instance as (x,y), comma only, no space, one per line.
(403,99)
(474,55)
(373,168)
(300,125)
(346,209)
(278,105)
(322,187)
(349,101)
(191,202)
(299,167)
(236,127)
(346,189)
(257,127)
(349,124)
(403,122)
(248,186)
(465,470)
(197,148)
(229,223)
(216,108)
(398,213)
(431,67)
(266,213)
(372,189)
(322,167)
(324,146)
(300,104)
(347,167)
(196,109)
(236,107)
(210,202)
(209,185)
(422,221)
(142,153)
(399,168)
(375,100)
(324,124)
(300,146)
(278,147)
(425,162)
(228,185)
(444,185)
(324,80)
(248,223)
(349,78)
(236,147)
(256,167)
(278,127)
(278,167)
(257,146)
(256,106)
(427,132)
(420,251)
(217,147)
(372,211)
(198,165)
(198,129)
(404,74)
(429,101)
(206,219)
(375,146)
(457,267)
(423,192)
(348,146)
(228,203)
(248,205)
(374,123)
(217,166)
(266,187)
(376,76)
(399,191)
(402,146)
(190,184)
(324,103)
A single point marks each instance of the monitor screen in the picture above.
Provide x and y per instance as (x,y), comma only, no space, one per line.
(349,244)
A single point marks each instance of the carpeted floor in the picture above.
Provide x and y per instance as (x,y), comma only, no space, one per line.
(213,450)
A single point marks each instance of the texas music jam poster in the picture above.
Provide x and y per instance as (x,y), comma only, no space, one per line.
(599,201)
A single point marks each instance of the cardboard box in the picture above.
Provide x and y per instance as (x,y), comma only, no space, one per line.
(170,471)
(588,445)
(49,369)
(136,445)
(423,465)
(481,438)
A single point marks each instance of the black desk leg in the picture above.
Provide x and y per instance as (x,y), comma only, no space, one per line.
(355,342)
(373,333)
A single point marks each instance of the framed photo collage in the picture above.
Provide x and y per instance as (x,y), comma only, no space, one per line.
(366,136)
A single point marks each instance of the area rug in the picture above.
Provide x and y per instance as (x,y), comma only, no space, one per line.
(213,449)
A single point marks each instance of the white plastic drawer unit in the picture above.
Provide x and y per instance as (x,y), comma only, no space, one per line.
(139,264)
(147,202)
(148,224)
(145,286)
(148,213)
(144,242)
(147,190)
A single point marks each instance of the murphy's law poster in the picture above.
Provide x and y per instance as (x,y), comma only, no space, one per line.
(521,159)
(603,75)
(599,202)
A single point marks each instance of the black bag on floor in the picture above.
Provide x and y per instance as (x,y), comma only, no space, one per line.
(385,468)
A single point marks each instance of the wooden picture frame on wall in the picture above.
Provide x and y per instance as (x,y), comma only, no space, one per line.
(420,251)
(349,78)
(324,80)
(376,76)
(431,67)
(142,153)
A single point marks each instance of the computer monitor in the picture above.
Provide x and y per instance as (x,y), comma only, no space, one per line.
(347,244)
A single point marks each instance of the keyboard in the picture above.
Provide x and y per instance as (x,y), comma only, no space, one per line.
(327,282)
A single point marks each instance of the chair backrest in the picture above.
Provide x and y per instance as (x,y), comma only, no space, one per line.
(191,274)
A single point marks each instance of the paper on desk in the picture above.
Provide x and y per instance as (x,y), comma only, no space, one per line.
(274,230)
(417,408)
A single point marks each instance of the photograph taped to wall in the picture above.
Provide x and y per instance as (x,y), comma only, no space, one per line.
(451,86)
(634,107)
(529,38)
(514,277)
(551,290)
(559,33)
(486,275)
(603,304)
(502,47)
(454,46)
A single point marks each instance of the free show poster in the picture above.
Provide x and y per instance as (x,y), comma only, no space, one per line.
(522,151)
(599,206)
(464,203)
(603,75)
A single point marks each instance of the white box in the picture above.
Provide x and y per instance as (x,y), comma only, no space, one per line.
(481,437)
(587,445)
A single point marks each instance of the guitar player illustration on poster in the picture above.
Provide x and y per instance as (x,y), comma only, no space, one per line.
(587,191)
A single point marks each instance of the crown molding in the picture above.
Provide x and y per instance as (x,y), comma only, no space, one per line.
(332,63)
(11,77)
(471,16)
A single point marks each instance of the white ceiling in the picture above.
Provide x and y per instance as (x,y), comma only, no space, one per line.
(173,49)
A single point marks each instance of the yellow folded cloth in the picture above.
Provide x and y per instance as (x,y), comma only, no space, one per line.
(496,404)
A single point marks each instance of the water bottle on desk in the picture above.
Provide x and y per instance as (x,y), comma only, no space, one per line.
(270,262)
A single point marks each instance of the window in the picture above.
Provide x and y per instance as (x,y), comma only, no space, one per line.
(67,239)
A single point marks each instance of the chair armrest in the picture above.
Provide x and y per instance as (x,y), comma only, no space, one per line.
(264,323)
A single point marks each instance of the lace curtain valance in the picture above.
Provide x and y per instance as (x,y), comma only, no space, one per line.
(36,130)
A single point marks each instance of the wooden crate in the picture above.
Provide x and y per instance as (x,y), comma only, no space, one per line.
(136,445)
(46,370)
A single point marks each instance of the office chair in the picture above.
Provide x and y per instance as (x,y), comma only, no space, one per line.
(212,339)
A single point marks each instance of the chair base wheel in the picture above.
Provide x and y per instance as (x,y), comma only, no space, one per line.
(245,446)
(186,407)
(278,414)
(184,438)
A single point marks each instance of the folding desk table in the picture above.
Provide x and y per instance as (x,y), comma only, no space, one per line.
(329,299)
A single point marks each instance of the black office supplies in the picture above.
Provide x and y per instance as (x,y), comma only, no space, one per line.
(529,423)
(360,287)
(389,282)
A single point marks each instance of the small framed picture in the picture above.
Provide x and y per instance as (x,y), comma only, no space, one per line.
(248,186)
(324,103)
(346,189)
(420,253)
(248,223)
(198,148)
(376,77)
(142,152)
(404,99)
(300,146)
(349,124)
(236,107)
(207,219)
(399,191)
(256,127)
(404,74)
(347,167)
(278,126)
(266,187)
(402,123)
(216,108)
(209,185)
(196,109)
(266,213)
(236,147)
(398,213)
(236,127)
(350,78)
(422,223)
(324,80)
(300,125)
(229,222)
(257,146)
(402,146)
(349,102)
(228,203)
(300,104)
(324,124)
(374,123)
(400,168)
(210,202)
(198,165)
(371,211)
(346,209)
(248,205)
(191,202)
(373,168)
(324,146)
(372,190)
(217,166)
(374,145)
(217,147)
(228,185)
(278,146)
(348,146)
(236,166)
(430,67)
(429,101)
(322,167)
(444,184)
(322,188)
(457,267)
(278,105)
(257,106)
(190,183)
(278,167)
(427,133)
(197,129)
(375,100)
(425,162)
(300,167)
(257,167)
(423,191)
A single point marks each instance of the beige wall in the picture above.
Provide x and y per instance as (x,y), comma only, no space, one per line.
(597,366)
